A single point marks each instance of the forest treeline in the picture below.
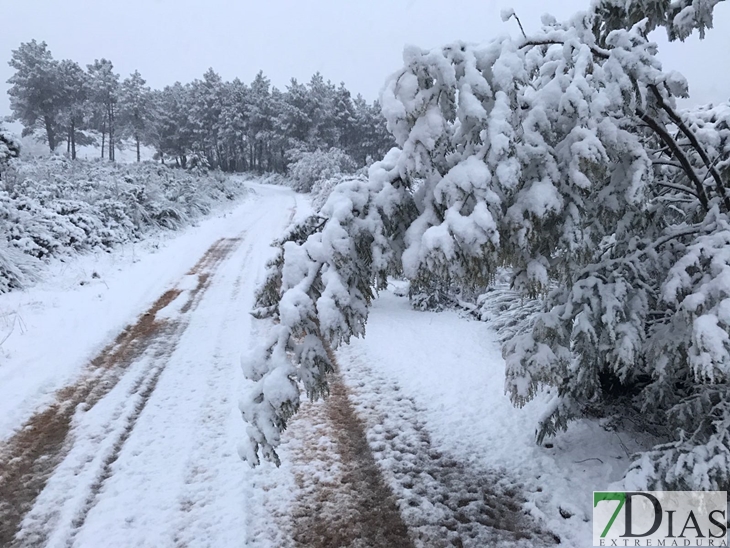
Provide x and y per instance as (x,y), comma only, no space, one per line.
(232,126)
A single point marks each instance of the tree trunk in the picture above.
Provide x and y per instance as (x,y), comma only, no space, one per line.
(50,133)
(137,139)
(103,136)
(73,140)
(110,115)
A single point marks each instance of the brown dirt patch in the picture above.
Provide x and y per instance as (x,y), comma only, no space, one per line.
(349,503)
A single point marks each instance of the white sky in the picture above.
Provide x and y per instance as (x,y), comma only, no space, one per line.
(355,41)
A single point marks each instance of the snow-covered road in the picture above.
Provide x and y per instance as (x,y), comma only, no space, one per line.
(138,448)
(119,422)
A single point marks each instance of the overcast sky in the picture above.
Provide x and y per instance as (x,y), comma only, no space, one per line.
(355,41)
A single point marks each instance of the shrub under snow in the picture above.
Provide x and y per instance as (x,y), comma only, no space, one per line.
(9,148)
(55,207)
(320,165)
(322,189)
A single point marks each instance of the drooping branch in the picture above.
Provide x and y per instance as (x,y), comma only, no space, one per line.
(712,170)
(599,52)
(679,154)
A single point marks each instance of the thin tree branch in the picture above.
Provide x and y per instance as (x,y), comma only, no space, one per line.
(520,24)
(665,163)
(599,52)
(662,132)
(720,187)
(680,188)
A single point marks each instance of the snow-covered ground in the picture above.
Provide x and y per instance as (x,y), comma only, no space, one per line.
(444,373)
(153,461)
(50,331)
(150,458)
(127,154)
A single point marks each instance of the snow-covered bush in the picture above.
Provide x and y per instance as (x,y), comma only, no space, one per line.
(9,148)
(273,179)
(307,168)
(56,207)
(562,156)
(16,268)
(322,188)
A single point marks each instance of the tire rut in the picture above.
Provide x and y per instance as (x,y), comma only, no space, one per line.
(443,499)
(29,457)
(346,502)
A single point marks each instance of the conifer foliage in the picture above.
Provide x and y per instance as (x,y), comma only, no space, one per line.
(562,155)
(231,126)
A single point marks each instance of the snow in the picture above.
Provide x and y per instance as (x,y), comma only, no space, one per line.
(154,462)
(451,369)
(507,13)
(51,330)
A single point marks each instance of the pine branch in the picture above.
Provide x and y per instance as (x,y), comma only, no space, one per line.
(612,264)
(695,144)
(679,154)
(598,52)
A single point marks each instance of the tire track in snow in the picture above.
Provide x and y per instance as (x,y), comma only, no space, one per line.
(30,457)
(197,499)
(343,499)
(443,500)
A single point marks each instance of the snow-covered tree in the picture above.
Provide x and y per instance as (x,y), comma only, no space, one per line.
(562,155)
(104,98)
(307,168)
(74,107)
(227,125)
(136,114)
(173,132)
(35,93)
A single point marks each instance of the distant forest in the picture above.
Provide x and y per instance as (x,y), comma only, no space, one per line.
(232,126)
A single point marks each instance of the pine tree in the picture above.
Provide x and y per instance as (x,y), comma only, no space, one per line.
(206,105)
(260,119)
(295,117)
(35,94)
(104,98)
(74,108)
(173,128)
(136,111)
(234,125)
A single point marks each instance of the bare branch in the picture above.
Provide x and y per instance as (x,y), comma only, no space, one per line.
(666,163)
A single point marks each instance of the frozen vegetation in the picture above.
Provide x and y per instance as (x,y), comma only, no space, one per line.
(563,156)
(57,208)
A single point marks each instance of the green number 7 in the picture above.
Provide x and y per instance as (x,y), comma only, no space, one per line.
(621,497)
